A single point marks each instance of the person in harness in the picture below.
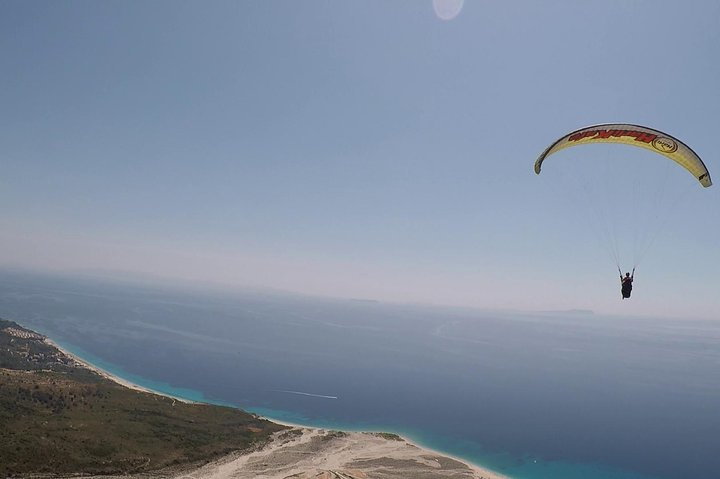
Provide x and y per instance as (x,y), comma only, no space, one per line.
(626,284)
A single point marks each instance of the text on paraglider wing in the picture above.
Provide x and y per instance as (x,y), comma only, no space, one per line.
(641,136)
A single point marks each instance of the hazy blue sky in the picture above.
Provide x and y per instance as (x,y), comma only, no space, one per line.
(359,149)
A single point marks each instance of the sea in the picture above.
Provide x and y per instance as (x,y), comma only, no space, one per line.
(532,395)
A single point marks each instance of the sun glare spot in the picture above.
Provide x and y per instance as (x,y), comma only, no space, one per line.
(447,9)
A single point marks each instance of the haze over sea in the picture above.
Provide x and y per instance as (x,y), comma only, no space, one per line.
(533,395)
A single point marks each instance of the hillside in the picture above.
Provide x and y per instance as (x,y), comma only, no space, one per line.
(58,417)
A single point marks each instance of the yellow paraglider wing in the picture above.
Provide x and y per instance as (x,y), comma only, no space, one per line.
(633,135)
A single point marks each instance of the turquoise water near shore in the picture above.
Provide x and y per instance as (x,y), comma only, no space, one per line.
(530,395)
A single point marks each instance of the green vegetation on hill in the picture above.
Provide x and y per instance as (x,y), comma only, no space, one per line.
(58,418)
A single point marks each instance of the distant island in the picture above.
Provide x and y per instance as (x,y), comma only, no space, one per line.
(60,417)
(569,311)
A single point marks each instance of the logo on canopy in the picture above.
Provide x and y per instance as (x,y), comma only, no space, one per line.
(664,144)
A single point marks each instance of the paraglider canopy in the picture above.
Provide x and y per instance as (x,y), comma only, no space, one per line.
(634,135)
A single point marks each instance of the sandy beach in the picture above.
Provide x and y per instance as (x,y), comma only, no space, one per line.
(312,453)
(309,453)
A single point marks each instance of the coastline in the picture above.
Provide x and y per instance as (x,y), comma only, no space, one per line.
(324,453)
(110,376)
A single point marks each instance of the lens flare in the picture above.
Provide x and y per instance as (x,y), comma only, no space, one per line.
(447,9)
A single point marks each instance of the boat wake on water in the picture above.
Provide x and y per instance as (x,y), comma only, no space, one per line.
(300,393)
